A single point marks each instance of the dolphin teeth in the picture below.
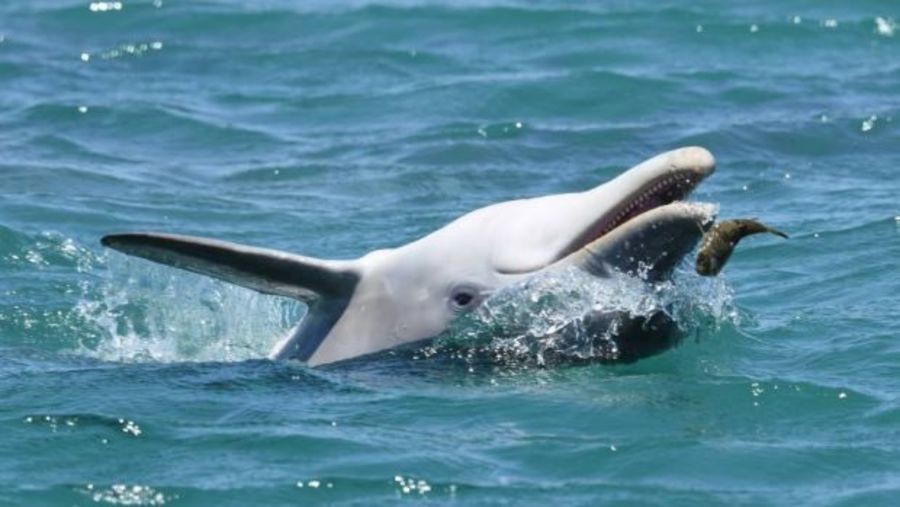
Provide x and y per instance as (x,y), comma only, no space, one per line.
(665,190)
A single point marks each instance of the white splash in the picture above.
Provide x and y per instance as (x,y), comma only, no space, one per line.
(546,316)
(869,123)
(885,26)
(105,6)
(143,312)
(126,494)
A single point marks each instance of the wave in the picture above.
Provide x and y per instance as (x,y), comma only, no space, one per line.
(21,251)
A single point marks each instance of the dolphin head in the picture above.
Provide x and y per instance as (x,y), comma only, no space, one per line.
(413,292)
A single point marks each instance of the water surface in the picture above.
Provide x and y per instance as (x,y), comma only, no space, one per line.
(333,129)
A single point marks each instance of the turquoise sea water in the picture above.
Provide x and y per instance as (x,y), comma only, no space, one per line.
(334,129)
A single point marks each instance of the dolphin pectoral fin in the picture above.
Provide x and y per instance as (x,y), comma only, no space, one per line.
(263,270)
(650,244)
(304,339)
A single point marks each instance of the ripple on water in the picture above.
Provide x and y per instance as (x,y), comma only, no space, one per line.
(336,129)
(21,251)
(125,494)
(117,426)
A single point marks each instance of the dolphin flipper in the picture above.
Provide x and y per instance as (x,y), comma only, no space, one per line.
(263,270)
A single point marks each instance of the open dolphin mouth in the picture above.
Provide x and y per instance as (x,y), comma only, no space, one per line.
(669,189)
(649,228)
(648,189)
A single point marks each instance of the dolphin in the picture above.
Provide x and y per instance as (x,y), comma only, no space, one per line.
(397,296)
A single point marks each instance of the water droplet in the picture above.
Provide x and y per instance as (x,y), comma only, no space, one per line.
(869,123)
(885,26)
(105,6)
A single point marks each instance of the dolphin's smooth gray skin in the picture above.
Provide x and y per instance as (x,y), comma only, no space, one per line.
(402,295)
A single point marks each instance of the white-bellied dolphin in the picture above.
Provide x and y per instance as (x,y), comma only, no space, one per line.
(410,293)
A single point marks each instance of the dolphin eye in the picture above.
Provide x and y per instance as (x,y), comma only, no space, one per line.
(463,298)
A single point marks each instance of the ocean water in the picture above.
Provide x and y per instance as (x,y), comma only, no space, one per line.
(332,129)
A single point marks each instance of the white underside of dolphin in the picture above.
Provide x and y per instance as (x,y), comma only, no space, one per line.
(402,295)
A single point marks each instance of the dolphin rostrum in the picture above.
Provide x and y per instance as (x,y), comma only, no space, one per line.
(402,295)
